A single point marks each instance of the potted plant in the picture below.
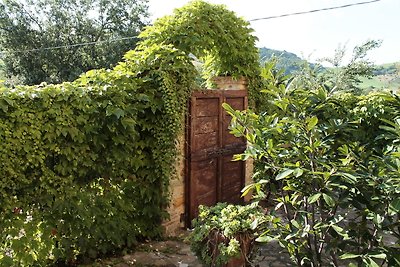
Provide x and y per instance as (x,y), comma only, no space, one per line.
(224,234)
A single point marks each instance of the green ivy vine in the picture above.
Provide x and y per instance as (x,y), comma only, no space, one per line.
(85,166)
(216,36)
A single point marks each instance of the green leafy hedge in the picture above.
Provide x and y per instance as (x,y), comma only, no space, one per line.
(88,162)
(85,166)
(220,39)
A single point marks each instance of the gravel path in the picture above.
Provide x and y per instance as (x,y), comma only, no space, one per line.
(176,253)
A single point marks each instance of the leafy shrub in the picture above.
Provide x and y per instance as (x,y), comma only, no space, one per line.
(87,164)
(224,232)
(333,178)
(27,240)
(93,158)
(99,218)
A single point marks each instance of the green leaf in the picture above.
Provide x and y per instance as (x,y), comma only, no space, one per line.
(119,112)
(7,261)
(254,224)
(73,132)
(295,224)
(349,256)
(247,189)
(311,123)
(284,174)
(314,198)
(3,105)
(228,108)
(377,255)
(264,239)
(298,172)
(370,262)
(394,207)
(338,229)
(328,200)
(128,123)
(348,177)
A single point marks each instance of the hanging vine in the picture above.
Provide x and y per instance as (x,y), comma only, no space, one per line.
(107,140)
(215,35)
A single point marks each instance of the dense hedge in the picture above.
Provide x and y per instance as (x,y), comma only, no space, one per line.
(365,113)
(364,116)
(85,166)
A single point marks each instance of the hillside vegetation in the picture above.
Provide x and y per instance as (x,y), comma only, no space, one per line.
(385,77)
(285,60)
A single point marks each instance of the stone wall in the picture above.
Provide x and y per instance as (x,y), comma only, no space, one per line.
(229,83)
(177,193)
(176,208)
(248,177)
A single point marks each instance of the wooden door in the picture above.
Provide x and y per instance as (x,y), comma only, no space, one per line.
(211,175)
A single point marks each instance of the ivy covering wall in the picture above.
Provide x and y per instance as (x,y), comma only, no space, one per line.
(90,160)
(217,37)
(85,166)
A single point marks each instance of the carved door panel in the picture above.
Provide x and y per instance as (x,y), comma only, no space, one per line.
(211,175)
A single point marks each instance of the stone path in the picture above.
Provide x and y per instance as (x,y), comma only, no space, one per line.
(176,253)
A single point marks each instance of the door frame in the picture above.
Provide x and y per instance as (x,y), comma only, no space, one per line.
(222,94)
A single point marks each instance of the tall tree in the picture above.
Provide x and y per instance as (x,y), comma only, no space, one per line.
(340,76)
(71,27)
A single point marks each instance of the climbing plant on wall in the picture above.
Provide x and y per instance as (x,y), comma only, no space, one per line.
(85,166)
(215,35)
(210,32)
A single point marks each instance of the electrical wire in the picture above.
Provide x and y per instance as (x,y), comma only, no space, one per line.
(315,10)
(134,37)
(69,46)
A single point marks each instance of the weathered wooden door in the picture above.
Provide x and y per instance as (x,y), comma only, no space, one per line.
(211,175)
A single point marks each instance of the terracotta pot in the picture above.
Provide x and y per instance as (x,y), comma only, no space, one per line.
(229,83)
(246,244)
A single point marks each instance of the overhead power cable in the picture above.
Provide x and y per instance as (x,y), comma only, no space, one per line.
(72,45)
(134,37)
(315,10)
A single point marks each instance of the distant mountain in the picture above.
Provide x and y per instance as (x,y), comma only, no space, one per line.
(286,60)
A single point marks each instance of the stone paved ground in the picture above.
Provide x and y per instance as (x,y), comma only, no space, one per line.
(176,253)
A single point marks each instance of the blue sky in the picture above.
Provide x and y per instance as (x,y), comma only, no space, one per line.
(315,35)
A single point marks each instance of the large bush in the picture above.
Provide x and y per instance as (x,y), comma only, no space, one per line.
(85,166)
(329,165)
